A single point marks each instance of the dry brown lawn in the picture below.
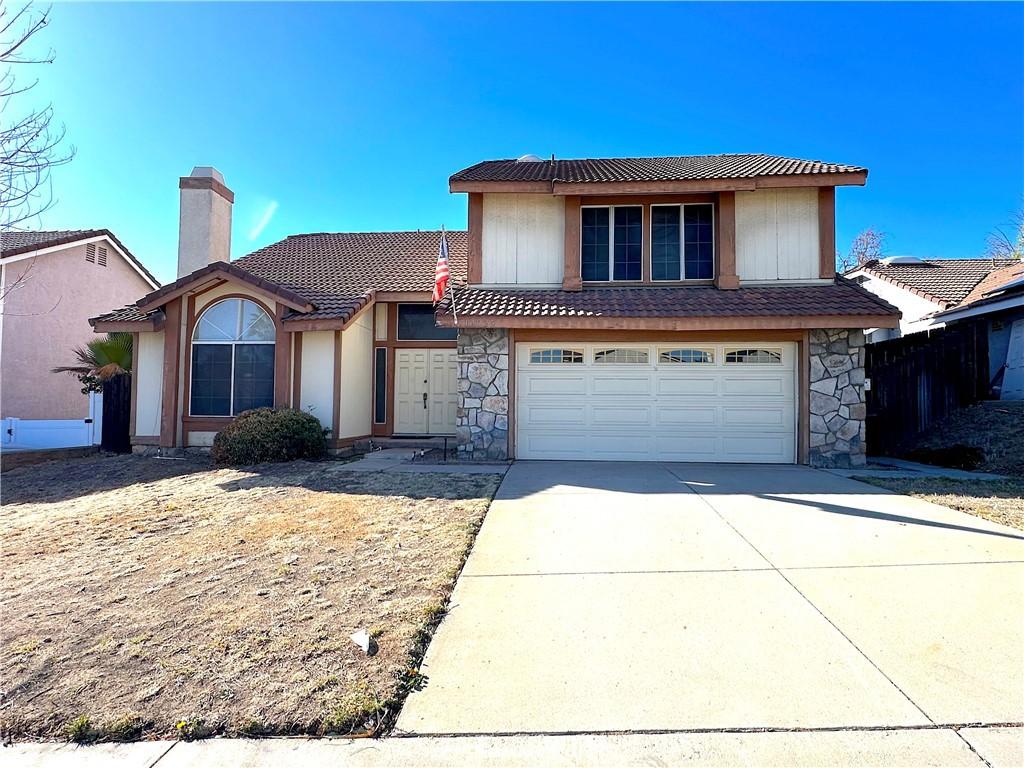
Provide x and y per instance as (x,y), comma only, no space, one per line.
(156,597)
(1001,501)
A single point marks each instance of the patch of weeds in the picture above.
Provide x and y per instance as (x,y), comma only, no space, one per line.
(357,710)
(192,728)
(322,684)
(24,649)
(80,731)
(125,728)
(254,728)
(376,632)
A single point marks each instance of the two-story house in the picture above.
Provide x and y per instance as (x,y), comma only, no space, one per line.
(675,309)
(51,283)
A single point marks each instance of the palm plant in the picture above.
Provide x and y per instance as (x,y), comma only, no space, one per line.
(101,360)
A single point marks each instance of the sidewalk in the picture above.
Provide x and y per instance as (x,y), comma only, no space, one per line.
(1000,747)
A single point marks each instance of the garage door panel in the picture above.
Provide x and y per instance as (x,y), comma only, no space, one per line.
(668,416)
(604,384)
(735,412)
(677,385)
(778,416)
(602,415)
(554,414)
(759,448)
(756,385)
(547,384)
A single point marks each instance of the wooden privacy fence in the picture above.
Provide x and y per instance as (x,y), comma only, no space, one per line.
(117,409)
(920,379)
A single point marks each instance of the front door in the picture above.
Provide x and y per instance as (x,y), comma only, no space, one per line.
(425,391)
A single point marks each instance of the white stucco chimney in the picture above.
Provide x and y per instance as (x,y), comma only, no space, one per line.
(204,228)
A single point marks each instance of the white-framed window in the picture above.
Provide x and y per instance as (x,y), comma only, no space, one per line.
(754,356)
(555,356)
(686,356)
(232,359)
(621,356)
(611,243)
(683,242)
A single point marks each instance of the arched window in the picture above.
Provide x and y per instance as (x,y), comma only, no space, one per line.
(232,359)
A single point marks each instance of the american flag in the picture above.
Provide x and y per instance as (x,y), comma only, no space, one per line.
(441,273)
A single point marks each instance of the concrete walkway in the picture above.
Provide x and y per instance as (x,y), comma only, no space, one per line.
(973,748)
(405,460)
(678,597)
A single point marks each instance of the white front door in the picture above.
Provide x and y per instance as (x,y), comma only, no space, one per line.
(426,392)
(672,401)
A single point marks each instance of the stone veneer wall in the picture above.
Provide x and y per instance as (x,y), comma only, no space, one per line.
(481,425)
(837,401)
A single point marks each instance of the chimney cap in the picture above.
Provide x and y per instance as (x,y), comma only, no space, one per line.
(207,172)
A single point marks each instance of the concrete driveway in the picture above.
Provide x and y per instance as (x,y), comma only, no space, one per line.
(605,597)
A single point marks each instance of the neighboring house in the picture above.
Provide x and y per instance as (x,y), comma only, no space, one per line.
(678,309)
(921,288)
(51,283)
(933,293)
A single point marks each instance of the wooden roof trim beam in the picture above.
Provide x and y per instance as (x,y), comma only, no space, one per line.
(855,178)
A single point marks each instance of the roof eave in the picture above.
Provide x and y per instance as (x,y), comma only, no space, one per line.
(184,284)
(849,178)
(698,323)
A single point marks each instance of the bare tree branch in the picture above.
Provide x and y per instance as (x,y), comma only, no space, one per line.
(1007,242)
(869,245)
(30,145)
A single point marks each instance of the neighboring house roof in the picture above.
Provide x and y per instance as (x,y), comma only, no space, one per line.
(638,169)
(947,282)
(335,273)
(998,287)
(17,243)
(841,298)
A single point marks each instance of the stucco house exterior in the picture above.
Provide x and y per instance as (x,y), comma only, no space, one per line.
(675,308)
(934,293)
(51,283)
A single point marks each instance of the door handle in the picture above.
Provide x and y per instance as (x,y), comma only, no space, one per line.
(424,399)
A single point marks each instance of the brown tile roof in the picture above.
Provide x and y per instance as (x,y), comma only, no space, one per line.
(16,243)
(129,314)
(840,298)
(337,271)
(945,281)
(991,287)
(162,295)
(626,169)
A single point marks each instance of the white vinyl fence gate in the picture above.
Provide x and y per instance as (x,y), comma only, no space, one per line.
(35,434)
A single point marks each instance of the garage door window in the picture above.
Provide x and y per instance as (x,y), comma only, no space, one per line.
(754,356)
(687,356)
(621,356)
(555,356)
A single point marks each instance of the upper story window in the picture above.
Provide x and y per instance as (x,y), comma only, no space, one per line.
(611,245)
(682,242)
(416,323)
(232,359)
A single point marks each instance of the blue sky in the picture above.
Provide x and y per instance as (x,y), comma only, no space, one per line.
(352,116)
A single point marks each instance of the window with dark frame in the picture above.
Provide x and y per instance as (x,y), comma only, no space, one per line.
(611,243)
(380,385)
(682,242)
(232,359)
(416,323)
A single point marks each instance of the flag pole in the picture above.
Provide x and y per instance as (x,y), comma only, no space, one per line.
(451,293)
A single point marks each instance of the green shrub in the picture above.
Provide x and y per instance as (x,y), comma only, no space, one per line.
(80,730)
(270,434)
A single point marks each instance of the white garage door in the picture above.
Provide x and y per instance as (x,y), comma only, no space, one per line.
(656,402)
